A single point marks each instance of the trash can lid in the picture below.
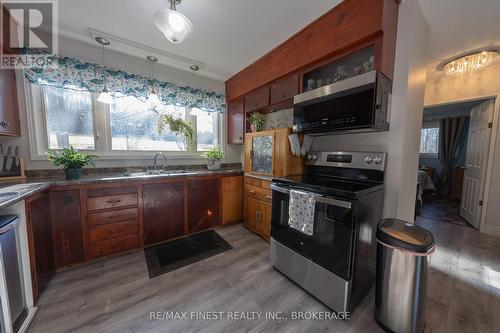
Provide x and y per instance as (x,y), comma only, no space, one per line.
(404,235)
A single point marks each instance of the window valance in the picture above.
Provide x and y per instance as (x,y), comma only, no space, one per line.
(74,74)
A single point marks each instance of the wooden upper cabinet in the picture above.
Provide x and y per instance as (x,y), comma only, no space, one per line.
(284,89)
(236,121)
(163,211)
(257,99)
(67,227)
(340,31)
(9,106)
(203,196)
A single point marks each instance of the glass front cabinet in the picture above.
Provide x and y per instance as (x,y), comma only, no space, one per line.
(268,153)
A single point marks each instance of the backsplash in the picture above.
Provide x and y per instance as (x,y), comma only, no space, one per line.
(279,119)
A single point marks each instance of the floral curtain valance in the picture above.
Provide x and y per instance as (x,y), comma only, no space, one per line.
(74,74)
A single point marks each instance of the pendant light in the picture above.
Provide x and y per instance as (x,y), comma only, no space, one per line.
(153,99)
(194,68)
(175,26)
(104,97)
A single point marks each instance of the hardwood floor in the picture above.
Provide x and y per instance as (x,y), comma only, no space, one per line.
(116,295)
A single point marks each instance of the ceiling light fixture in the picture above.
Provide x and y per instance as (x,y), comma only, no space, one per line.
(104,97)
(153,99)
(470,63)
(175,26)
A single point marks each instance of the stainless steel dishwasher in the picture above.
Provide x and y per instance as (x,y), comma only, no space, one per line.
(10,258)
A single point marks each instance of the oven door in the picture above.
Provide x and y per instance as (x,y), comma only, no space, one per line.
(332,242)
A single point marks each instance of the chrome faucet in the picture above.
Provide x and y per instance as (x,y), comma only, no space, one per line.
(164,157)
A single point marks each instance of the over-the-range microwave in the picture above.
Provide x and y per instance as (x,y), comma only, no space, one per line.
(357,104)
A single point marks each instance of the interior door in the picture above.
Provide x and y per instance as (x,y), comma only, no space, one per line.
(475,163)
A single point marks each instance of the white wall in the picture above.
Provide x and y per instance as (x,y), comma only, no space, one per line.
(91,53)
(440,89)
(402,141)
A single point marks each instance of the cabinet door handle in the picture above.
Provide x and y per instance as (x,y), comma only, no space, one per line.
(284,96)
(269,197)
(114,216)
(114,200)
(4,124)
(251,191)
(67,198)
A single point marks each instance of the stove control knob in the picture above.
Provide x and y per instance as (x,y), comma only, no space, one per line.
(315,157)
(377,160)
(369,160)
(309,157)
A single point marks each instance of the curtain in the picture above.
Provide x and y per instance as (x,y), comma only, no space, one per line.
(71,73)
(450,130)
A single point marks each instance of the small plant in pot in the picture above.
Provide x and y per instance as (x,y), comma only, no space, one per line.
(72,161)
(256,121)
(214,157)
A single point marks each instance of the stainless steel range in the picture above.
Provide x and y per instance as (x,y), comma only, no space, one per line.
(335,259)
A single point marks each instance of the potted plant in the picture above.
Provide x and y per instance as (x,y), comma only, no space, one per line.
(72,160)
(256,121)
(177,126)
(213,156)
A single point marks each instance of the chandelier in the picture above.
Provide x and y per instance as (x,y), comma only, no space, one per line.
(470,63)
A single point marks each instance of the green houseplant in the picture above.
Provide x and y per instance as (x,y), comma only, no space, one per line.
(177,126)
(72,161)
(256,121)
(213,157)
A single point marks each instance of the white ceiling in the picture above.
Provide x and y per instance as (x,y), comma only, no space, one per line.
(460,26)
(228,35)
(231,34)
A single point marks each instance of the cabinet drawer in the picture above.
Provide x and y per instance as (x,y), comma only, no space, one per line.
(266,184)
(95,219)
(253,181)
(258,193)
(112,201)
(113,231)
(112,246)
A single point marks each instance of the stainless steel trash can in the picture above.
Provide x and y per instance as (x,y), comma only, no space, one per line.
(403,251)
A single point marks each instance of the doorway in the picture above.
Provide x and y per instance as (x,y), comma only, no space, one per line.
(454,149)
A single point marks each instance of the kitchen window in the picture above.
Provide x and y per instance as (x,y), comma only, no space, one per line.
(429,142)
(70,120)
(126,129)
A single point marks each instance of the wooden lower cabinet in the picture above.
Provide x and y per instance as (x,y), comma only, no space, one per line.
(232,199)
(38,216)
(258,203)
(203,201)
(163,211)
(112,220)
(258,216)
(67,227)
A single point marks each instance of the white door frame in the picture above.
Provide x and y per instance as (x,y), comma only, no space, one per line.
(495,119)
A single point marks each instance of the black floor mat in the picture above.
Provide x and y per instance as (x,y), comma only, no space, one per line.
(175,254)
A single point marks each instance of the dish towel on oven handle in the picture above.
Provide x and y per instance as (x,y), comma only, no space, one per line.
(301,212)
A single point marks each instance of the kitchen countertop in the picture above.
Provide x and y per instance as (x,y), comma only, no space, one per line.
(11,193)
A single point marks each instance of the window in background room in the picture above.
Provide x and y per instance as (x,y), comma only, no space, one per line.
(134,126)
(207,135)
(69,119)
(429,141)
